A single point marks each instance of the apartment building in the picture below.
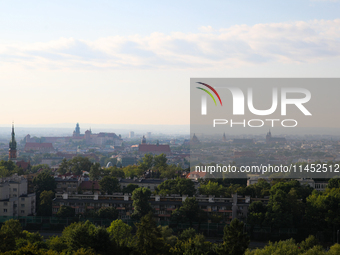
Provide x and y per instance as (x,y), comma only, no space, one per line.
(226,208)
(14,198)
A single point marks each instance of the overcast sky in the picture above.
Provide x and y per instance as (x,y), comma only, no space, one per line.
(130,62)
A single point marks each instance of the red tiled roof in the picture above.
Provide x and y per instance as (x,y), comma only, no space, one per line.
(154,148)
(24,165)
(38,145)
(196,174)
(87,185)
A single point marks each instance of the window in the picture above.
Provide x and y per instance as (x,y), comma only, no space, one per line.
(22,199)
(22,205)
(5,210)
(5,203)
(22,211)
(14,189)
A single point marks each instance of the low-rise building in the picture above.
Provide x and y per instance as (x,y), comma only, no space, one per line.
(69,185)
(39,147)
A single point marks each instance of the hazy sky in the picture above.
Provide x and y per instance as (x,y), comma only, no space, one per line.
(130,62)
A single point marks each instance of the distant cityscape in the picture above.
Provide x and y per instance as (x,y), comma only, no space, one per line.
(90,173)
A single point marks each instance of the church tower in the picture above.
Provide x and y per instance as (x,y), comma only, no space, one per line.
(12,146)
(224,139)
(143,140)
(194,140)
(268,137)
(76,131)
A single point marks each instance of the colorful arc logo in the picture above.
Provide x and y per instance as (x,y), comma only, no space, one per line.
(213,90)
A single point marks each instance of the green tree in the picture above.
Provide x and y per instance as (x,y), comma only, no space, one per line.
(31,238)
(4,172)
(115,172)
(159,161)
(333,183)
(259,189)
(170,172)
(84,235)
(284,209)
(132,171)
(334,250)
(309,243)
(195,245)
(130,188)
(141,203)
(187,234)
(57,243)
(235,241)
(79,164)
(167,234)
(107,213)
(43,182)
(148,237)
(120,233)
(63,167)
(19,171)
(8,164)
(146,162)
(256,213)
(66,211)
(185,187)
(109,185)
(31,249)
(323,209)
(9,232)
(211,188)
(45,206)
(36,168)
(177,186)
(188,212)
(287,247)
(95,171)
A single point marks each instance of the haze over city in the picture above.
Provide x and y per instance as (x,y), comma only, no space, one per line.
(112,63)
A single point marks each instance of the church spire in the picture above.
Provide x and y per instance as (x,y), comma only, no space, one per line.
(13,145)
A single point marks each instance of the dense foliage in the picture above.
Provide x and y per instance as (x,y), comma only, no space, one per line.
(118,238)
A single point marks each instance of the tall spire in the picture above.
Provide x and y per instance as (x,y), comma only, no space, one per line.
(13,145)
